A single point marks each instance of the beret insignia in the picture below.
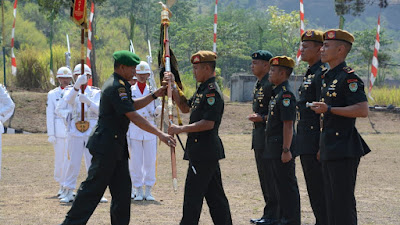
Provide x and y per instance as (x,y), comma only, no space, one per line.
(196,59)
(275,62)
(331,35)
(309,33)
(255,55)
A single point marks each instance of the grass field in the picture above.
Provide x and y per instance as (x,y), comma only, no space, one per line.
(27,188)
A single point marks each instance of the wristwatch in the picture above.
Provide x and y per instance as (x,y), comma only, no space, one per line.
(154,96)
(285,150)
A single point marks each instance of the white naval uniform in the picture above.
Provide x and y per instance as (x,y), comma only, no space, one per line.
(56,127)
(143,145)
(6,110)
(70,109)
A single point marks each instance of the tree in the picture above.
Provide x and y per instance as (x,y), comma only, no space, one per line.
(286,26)
(364,50)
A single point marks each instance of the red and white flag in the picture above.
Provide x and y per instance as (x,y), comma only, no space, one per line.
(215,26)
(298,56)
(89,43)
(13,60)
(375,63)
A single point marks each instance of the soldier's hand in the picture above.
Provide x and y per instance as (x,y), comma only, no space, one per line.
(81,80)
(52,139)
(319,155)
(174,129)
(319,107)
(286,157)
(168,76)
(168,139)
(255,117)
(161,91)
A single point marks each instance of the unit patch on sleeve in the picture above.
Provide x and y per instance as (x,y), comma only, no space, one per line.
(211,100)
(122,93)
(353,86)
(286,102)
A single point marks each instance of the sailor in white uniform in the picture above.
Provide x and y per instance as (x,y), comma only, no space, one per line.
(6,111)
(56,127)
(143,145)
(78,132)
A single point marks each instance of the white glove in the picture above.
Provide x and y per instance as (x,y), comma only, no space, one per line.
(84,99)
(157,111)
(82,79)
(52,139)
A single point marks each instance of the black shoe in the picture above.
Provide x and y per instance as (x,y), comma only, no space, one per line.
(267,221)
(254,221)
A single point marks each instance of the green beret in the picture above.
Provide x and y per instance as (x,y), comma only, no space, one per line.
(313,35)
(126,58)
(262,55)
(282,61)
(203,56)
(340,35)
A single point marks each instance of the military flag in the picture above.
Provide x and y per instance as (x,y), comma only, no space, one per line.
(298,56)
(13,60)
(375,63)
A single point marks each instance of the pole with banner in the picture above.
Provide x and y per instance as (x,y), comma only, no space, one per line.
(78,15)
(375,63)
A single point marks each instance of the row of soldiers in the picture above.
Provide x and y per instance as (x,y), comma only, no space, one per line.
(63,112)
(331,97)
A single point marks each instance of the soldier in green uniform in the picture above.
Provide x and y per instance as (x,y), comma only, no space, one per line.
(342,101)
(308,126)
(279,141)
(261,95)
(203,147)
(109,148)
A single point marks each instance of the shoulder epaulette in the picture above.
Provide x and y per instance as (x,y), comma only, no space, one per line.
(348,69)
(211,86)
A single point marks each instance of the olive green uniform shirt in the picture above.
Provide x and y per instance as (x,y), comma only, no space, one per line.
(206,104)
(261,97)
(109,135)
(339,137)
(282,107)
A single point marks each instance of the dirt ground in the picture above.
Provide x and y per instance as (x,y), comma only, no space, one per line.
(27,187)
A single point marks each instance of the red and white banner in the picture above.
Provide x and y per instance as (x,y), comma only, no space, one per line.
(298,56)
(13,60)
(215,26)
(375,63)
(89,43)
